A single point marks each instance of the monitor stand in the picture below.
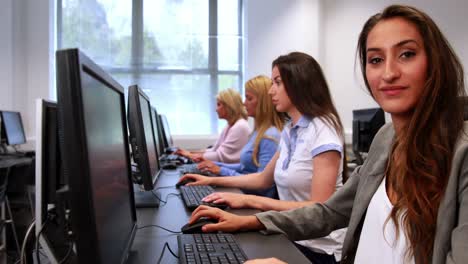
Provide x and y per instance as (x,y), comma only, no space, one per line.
(146,199)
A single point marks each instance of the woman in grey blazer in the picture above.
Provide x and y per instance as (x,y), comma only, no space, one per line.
(408,203)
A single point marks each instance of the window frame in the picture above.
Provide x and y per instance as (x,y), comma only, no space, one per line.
(136,68)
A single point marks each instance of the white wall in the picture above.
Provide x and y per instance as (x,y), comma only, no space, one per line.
(277,27)
(6,44)
(343,21)
(27,56)
(37,45)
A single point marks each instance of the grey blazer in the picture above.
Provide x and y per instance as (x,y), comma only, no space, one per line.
(348,206)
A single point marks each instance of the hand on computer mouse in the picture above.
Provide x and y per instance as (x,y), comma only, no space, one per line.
(196,227)
(227,222)
(233,200)
(183,182)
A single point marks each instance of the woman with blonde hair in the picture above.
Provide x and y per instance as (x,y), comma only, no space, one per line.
(263,141)
(233,137)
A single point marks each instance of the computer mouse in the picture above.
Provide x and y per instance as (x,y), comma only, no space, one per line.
(196,227)
(183,182)
(221,206)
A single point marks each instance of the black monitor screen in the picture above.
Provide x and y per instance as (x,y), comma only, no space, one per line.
(13,128)
(148,130)
(49,179)
(154,117)
(104,128)
(52,178)
(167,131)
(162,136)
(366,123)
(142,141)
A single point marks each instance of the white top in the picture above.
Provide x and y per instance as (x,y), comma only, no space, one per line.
(294,171)
(378,243)
(228,147)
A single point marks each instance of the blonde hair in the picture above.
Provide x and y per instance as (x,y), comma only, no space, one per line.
(232,102)
(266,115)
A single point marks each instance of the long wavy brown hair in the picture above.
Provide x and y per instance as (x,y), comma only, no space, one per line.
(420,162)
(308,91)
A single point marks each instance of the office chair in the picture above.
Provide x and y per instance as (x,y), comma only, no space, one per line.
(5,204)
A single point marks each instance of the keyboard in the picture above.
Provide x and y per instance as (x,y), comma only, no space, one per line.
(193,195)
(192,168)
(209,249)
(175,158)
(170,150)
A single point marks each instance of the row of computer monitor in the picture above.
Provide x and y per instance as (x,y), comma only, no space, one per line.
(85,177)
(85,196)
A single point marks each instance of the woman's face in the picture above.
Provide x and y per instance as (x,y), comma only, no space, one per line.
(221,110)
(250,103)
(278,93)
(396,66)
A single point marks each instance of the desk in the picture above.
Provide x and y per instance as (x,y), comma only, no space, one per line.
(149,242)
(23,174)
(8,161)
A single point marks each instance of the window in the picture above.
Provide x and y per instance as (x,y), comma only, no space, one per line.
(181,52)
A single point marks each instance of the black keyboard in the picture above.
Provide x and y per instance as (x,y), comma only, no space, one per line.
(192,168)
(209,249)
(193,195)
(175,158)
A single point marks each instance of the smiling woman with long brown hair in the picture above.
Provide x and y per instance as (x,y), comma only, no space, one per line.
(417,78)
(408,202)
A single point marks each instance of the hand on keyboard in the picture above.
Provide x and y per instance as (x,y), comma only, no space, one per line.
(233,200)
(198,179)
(182,152)
(209,166)
(197,157)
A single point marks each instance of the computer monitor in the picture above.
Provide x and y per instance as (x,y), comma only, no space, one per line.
(155,122)
(49,179)
(167,137)
(95,159)
(12,128)
(366,123)
(162,144)
(143,146)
